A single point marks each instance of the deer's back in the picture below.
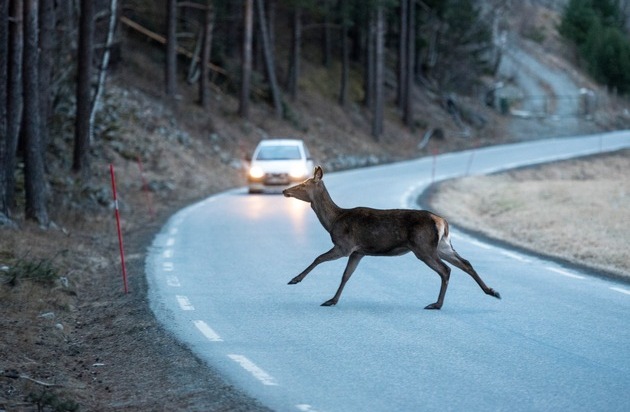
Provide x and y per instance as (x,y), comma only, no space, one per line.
(383,232)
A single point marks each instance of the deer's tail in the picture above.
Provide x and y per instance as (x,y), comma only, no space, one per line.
(444,247)
(441,226)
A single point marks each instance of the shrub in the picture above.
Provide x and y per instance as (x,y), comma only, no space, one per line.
(50,401)
(596,27)
(41,271)
(579,17)
(607,53)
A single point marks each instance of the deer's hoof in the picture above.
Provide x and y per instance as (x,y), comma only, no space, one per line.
(329,303)
(495,294)
(434,306)
(293,281)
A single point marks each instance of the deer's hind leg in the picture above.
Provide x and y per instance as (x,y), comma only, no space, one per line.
(434,262)
(446,252)
(445,275)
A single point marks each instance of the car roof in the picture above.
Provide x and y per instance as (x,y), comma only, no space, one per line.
(281,142)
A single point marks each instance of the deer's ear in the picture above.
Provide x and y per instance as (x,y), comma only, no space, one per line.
(318,173)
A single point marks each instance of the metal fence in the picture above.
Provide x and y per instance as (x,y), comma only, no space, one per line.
(580,105)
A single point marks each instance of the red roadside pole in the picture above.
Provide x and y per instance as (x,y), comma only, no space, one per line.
(120,240)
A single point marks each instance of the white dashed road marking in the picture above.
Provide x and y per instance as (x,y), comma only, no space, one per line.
(620,290)
(207,331)
(481,244)
(564,273)
(252,368)
(304,407)
(515,256)
(184,303)
(173,281)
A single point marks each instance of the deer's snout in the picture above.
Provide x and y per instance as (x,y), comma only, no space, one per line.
(286,193)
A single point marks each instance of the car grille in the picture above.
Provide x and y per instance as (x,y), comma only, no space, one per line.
(277,179)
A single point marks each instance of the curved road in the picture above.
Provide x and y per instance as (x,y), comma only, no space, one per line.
(559,339)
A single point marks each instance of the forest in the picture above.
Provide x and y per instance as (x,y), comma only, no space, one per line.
(55,58)
(598,29)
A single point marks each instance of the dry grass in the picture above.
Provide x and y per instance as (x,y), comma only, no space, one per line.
(576,210)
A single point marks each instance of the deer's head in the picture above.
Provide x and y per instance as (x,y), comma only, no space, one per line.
(306,190)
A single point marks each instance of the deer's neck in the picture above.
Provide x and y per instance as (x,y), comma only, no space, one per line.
(325,209)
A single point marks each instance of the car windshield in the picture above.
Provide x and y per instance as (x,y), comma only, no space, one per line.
(279,153)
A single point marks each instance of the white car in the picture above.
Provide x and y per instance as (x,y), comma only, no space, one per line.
(279,163)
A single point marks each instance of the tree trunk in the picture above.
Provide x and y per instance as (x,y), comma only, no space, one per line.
(326,35)
(171,48)
(194,67)
(67,23)
(84,90)
(402,54)
(271,25)
(410,59)
(204,89)
(269,60)
(46,50)
(345,63)
(34,179)
(246,74)
(379,74)
(368,77)
(294,63)
(432,49)
(345,51)
(4,59)
(14,97)
(102,72)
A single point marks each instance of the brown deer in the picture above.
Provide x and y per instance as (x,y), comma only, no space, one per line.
(363,231)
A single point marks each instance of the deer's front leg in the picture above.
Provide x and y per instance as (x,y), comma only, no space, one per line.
(332,254)
(353,261)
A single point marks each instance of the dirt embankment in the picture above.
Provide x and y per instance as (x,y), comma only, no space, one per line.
(577,210)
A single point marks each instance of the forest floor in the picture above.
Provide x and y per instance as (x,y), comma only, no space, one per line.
(71,339)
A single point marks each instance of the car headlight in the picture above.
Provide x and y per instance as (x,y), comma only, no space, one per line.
(298,172)
(256,172)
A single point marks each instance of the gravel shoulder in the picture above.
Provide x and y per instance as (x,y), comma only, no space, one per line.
(575,210)
(83,344)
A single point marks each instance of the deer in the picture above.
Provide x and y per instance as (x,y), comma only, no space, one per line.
(364,231)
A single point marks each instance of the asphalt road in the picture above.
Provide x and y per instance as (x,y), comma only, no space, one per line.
(558,340)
